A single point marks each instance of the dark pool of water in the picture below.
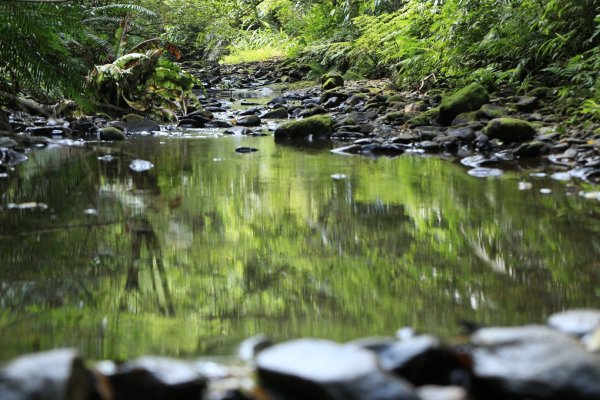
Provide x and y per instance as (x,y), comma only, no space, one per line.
(210,246)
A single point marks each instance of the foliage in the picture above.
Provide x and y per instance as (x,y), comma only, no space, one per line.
(258,45)
(34,48)
(145,82)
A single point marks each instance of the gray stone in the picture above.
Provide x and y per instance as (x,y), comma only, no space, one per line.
(320,369)
(532,149)
(534,362)
(424,360)
(157,378)
(250,120)
(576,322)
(321,125)
(527,103)
(278,113)
(50,375)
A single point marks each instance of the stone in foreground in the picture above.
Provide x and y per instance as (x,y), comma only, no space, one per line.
(576,322)
(324,370)
(51,375)
(533,362)
(320,125)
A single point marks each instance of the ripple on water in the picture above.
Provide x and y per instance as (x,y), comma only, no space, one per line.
(482,172)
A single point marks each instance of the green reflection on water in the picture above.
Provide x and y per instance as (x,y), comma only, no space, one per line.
(211,246)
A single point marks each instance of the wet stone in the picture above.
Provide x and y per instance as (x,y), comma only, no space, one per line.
(50,375)
(527,103)
(250,120)
(576,322)
(246,150)
(424,360)
(157,378)
(533,362)
(320,369)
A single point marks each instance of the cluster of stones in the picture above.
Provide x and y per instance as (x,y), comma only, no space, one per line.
(538,362)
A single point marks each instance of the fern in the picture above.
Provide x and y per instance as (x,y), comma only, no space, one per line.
(34,55)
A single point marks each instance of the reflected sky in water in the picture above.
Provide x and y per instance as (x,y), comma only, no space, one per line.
(210,246)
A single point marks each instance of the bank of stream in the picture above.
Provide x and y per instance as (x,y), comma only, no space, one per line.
(184,241)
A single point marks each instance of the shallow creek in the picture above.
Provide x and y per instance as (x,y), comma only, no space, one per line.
(210,246)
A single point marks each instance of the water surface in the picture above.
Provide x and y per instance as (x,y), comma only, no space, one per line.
(210,246)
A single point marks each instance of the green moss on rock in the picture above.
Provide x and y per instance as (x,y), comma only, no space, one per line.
(111,133)
(319,125)
(424,118)
(469,98)
(331,80)
(510,130)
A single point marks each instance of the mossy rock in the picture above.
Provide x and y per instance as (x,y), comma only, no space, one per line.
(469,98)
(396,99)
(319,125)
(331,81)
(133,118)
(465,118)
(491,111)
(540,92)
(424,118)
(395,116)
(111,133)
(510,130)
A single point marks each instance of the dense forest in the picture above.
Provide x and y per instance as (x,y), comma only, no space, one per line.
(104,54)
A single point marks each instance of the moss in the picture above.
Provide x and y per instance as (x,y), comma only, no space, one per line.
(133,118)
(510,130)
(395,116)
(424,118)
(111,133)
(331,80)
(319,125)
(465,118)
(469,98)
(491,111)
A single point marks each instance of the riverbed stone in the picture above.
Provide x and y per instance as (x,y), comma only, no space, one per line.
(510,130)
(534,148)
(278,113)
(320,125)
(527,103)
(249,120)
(469,98)
(425,118)
(425,360)
(533,362)
(491,111)
(577,322)
(50,375)
(157,378)
(465,118)
(110,133)
(325,370)
(331,80)
(133,123)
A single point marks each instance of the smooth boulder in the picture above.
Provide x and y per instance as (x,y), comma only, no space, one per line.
(510,130)
(469,98)
(110,133)
(324,370)
(331,81)
(319,125)
(50,375)
(533,362)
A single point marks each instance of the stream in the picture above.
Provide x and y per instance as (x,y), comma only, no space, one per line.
(210,246)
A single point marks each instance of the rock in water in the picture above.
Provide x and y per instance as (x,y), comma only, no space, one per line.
(51,375)
(533,362)
(424,360)
(576,322)
(321,125)
(469,98)
(324,370)
(110,133)
(157,378)
(250,120)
